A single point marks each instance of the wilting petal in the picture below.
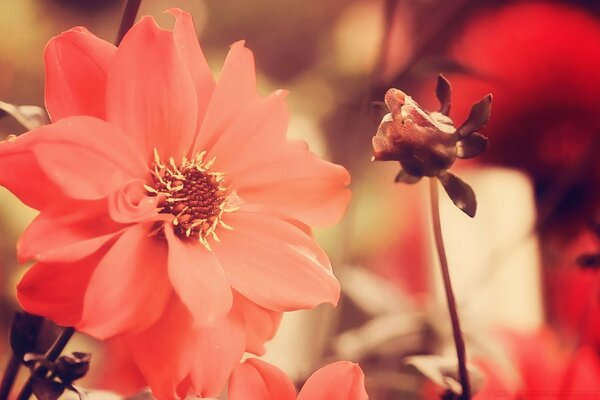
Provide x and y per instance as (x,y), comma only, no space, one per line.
(274,264)
(186,39)
(83,156)
(260,324)
(236,88)
(218,349)
(258,380)
(129,289)
(198,279)
(56,290)
(459,192)
(164,353)
(342,380)
(150,92)
(67,231)
(77,63)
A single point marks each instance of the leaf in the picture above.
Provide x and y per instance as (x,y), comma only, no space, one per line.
(405,177)
(478,117)
(443,371)
(472,145)
(30,117)
(460,193)
(46,390)
(443,93)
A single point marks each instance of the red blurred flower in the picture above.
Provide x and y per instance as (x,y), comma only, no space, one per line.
(154,180)
(258,380)
(545,83)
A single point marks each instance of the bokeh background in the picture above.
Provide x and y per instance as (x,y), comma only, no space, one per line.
(530,313)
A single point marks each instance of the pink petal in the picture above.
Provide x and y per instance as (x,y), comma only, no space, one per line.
(258,380)
(260,324)
(198,279)
(21,173)
(83,156)
(274,264)
(186,39)
(118,372)
(150,92)
(129,289)
(131,203)
(67,231)
(77,63)
(56,290)
(236,88)
(218,350)
(164,353)
(341,380)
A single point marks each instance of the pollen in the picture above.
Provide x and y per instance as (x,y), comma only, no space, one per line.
(195,195)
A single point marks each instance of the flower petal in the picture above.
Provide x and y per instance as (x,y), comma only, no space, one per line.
(131,203)
(198,279)
(258,380)
(170,344)
(129,290)
(77,63)
(83,156)
(56,290)
(342,380)
(67,231)
(275,264)
(236,88)
(260,324)
(150,92)
(186,39)
(219,349)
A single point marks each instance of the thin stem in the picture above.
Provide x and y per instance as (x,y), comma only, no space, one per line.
(131,10)
(459,341)
(12,369)
(51,355)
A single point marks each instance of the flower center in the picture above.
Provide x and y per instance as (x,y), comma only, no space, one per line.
(196,196)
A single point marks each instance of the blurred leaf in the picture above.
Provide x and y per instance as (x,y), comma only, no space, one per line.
(472,145)
(460,193)
(443,371)
(46,390)
(404,177)
(24,332)
(443,93)
(30,117)
(478,117)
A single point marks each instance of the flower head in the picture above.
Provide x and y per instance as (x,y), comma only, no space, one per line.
(428,143)
(159,186)
(257,380)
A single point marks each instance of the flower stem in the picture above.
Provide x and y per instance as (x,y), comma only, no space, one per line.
(131,10)
(51,355)
(12,369)
(459,341)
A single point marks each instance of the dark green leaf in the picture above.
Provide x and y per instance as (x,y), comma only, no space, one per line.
(478,117)
(443,92)
(472,145)
(460,193)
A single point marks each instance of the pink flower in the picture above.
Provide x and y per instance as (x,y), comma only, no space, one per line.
(258,380)
(159,187)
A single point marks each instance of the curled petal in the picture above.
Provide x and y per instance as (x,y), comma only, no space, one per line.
(129,289)
(132,204)
(443,93)
(478,117)
(150,92)
(67,231)
(395,99)
(460,193)
(77,63)
(471,146)
(342,380)
(275,264)
(198,279)
(258,380)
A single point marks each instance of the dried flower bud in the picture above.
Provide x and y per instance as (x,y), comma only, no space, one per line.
(427,143)
(72,367)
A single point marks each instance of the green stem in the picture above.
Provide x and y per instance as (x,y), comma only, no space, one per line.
(51,355)
(131,10)
(459,341)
